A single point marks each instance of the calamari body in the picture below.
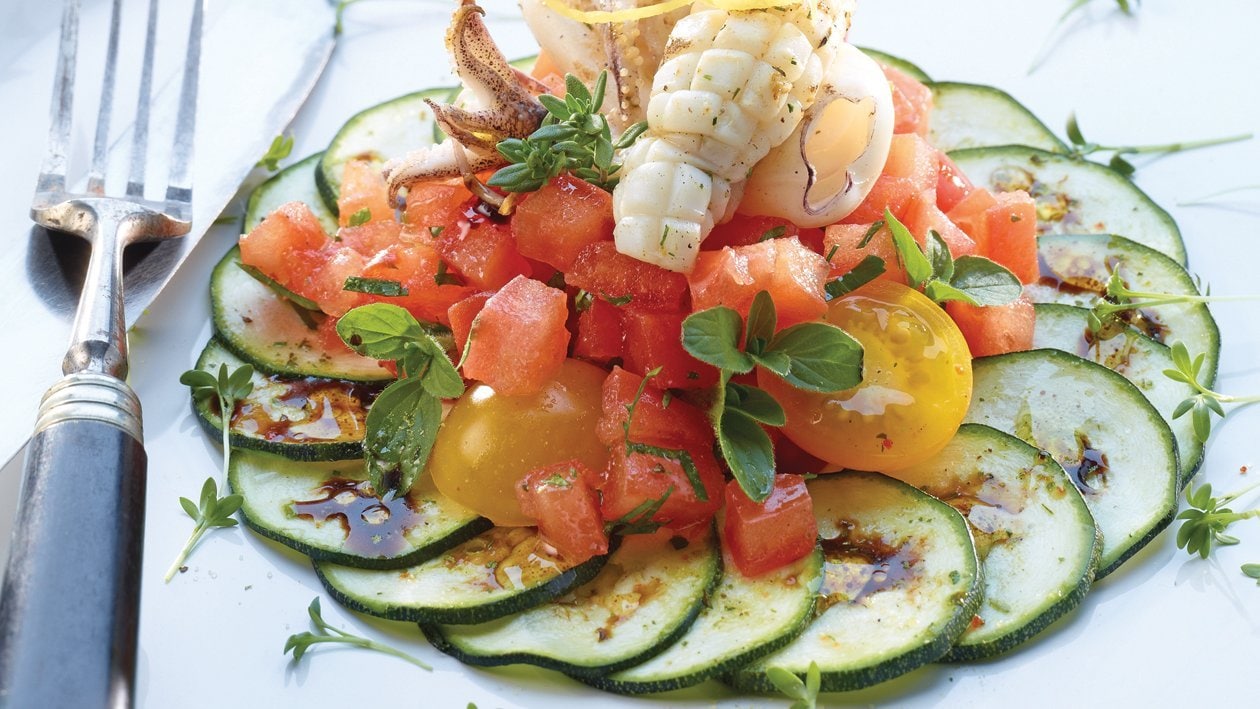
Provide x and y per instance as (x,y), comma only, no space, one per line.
(501,105)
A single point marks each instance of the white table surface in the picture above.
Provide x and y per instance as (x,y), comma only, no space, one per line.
(1157,633)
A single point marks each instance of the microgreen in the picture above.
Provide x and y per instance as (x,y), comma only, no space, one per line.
(402,424)
(639,520)
(814,356)
(375,286)
(1207,519)
(971,279)
(227,388)
(280,148)
(804,694)
(361,217)
(1082,148)
(1128,7)
(1119,298)
(867,270)
(773,233)
(299,643)
(1252,571)
(574,137)
(1204,402)
(212,511)
(444,277)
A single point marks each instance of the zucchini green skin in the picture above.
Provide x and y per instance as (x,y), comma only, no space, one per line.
(935,529)
(337,580)
(1134,356)
(904,65)
(249,318)
(378,133)
(1015,393)
(1075,196)
(974,116)
(214,354)
(1090,258)
(295,183)
(573,645)
(446,525)
(706,650)
(1035,534)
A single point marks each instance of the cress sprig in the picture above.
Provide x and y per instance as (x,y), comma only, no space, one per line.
(1204,524)
(1082,148)
(1204,402)
(574,137)
(804,694)
(281,147)
(1128,7)
(210,512)
(299,643)
(402,424)
(1119,298)
(814,356)
(938,275)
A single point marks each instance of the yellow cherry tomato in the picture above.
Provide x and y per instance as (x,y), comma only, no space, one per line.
(489,441)
(916,384)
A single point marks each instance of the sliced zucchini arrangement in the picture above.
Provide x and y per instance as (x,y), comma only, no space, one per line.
(1069,463)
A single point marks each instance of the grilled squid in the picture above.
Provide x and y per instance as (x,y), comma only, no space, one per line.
(732,86)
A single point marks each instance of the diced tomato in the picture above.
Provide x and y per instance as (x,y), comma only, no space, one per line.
(912,102)
(655,340)
(565,505)
(841,244)
(600,333)
(969,213)
(482,251)
(762,537)
(911,171)
(363,187)
(793,275)
(924,216)
(519,341)
(434,207)
(271,246)
(322,276)
(952,185)
(634,479)
(602,271)
(995,329)
(1011,233)
(549,73)
(555,223)
(371,238)
(679,425)
(743,230)
(415,266)
(462,314)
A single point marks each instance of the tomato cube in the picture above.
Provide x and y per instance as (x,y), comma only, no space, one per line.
(372,237)
(969,215)
(518,342)
(289,229)
(555,223)
(415,266)
(363,188)
(912,102)
(952,185)
(841,243)
(925,217)
(1011,231)
(565,506)
(600,334)
(762,537)
(744,230)
(636,478)
(995,329)
(603,272)
(462,315)
(678,425)
(655,340)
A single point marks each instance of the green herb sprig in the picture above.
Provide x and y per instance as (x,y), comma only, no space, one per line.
(804,694)
(682,457)
(574,137)
(210,512)
(1119,298)
(1204,524)
(1252,571)
(299,643)
(1082,148)
(1204,402)
(281,147)
(1128,7)
(938,275)
(402,424)
(814,356)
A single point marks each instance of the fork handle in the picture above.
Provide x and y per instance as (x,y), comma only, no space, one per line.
(70,607)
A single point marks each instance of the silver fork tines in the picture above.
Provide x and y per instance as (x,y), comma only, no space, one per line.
(110,224)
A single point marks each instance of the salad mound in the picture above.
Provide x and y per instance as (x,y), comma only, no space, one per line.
(613,416)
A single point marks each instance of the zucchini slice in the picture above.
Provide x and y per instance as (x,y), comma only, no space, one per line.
(1114,445)
(1032,529)
(501,571)
(324,511)
(974,116)
(1075,196)
(295,183)
(304,418)
(378,133)
(1075,269)
(901,581)
(265,330)
(744,619)
(1134,356)
(904,65)
(640,603)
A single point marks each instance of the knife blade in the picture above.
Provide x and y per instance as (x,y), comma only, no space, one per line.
(260,61)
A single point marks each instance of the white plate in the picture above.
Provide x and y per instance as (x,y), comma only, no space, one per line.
(1145,635)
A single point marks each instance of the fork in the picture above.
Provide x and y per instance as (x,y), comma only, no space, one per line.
(69,610)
